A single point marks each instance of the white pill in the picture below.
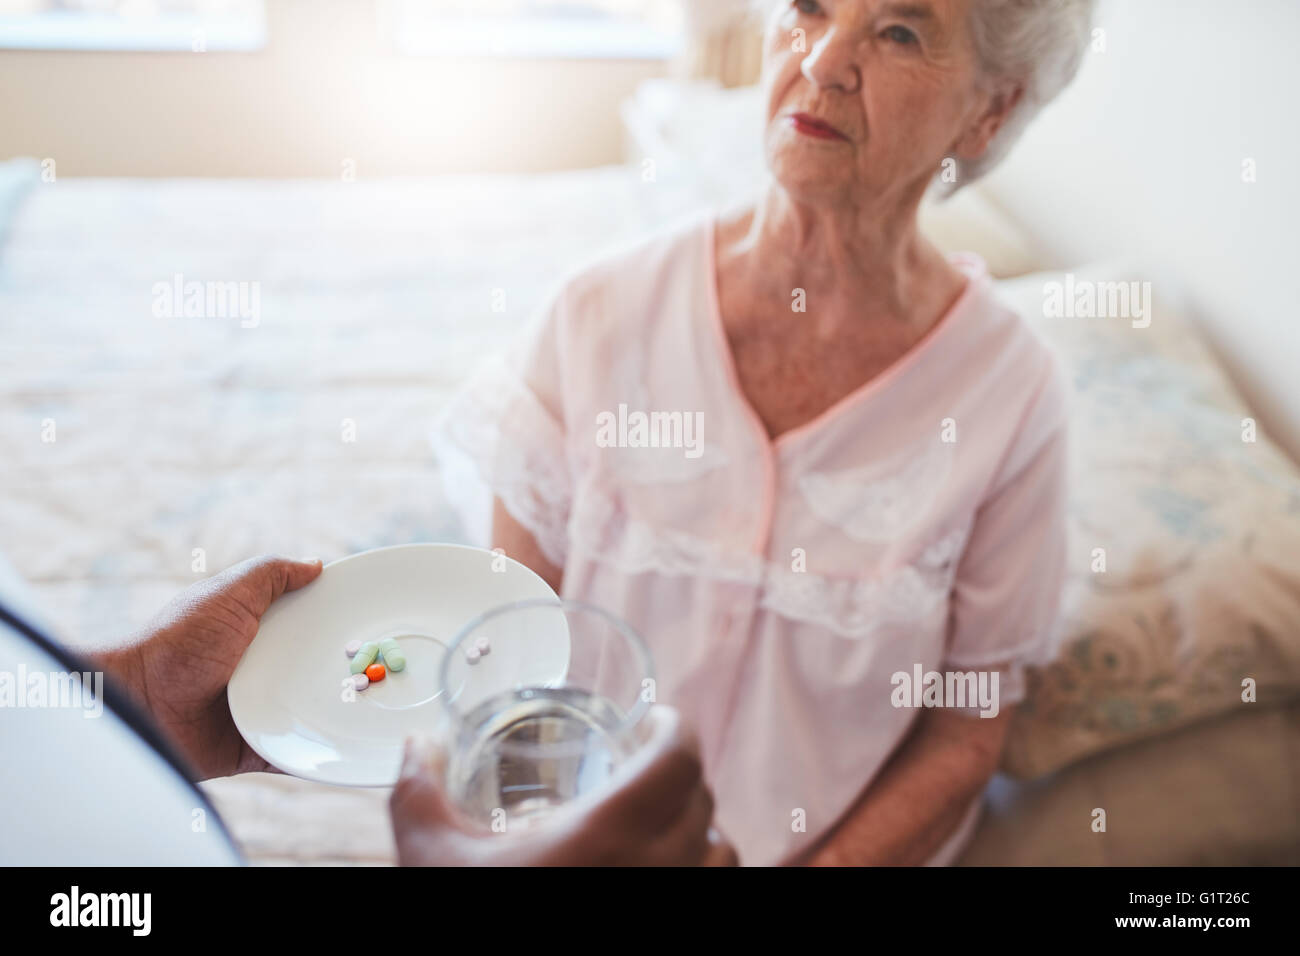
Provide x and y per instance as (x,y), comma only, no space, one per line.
(360,681)
(351,648)
(482,646)
(472,655)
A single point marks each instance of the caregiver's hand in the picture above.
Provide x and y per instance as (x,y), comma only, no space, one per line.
(657,813)
(178,667)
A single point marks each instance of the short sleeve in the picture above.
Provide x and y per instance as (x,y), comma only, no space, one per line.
(502,435)
(1007,591)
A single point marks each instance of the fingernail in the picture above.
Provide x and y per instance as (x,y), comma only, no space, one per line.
(310,561)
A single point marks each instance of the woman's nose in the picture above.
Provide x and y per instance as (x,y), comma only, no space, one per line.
(832,63)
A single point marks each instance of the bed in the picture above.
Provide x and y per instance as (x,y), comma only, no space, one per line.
(144,452)
(180,446)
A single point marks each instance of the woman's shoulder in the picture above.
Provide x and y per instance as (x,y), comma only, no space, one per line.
(995,324)
(1028,367)
(620,302)
(1017,364)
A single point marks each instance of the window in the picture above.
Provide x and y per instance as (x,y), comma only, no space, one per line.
(611,29)
(197,26)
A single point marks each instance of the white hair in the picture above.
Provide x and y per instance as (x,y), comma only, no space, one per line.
(1038,45)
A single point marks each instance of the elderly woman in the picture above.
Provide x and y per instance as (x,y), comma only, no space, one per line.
(804,453)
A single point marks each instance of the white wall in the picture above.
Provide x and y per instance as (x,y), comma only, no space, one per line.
(327,87)
(1143,157)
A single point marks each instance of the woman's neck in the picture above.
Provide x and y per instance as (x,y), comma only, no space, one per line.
(852,262)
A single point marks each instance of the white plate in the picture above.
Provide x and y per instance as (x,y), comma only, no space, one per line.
(286,694)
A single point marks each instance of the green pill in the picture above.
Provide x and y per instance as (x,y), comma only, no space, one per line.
(393,655)
(365,657)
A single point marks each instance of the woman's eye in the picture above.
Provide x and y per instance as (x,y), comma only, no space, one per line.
(810,7)
(900,35)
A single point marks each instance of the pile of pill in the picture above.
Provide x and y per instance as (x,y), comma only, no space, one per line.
(367,666)
(480,649)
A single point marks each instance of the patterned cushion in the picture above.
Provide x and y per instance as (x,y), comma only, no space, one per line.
(1200,530)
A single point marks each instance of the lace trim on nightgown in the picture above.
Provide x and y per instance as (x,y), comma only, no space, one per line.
(606,532)
(882,500)
(856,608)
(496,429)
(852,608)
(505,437)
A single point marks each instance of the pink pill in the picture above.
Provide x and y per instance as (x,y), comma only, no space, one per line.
(472,655)
(482,646)
(360,681)
(351,648)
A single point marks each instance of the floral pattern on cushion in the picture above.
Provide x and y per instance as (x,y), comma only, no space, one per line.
(1201,534)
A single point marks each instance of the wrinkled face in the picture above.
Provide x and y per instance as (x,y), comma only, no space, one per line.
(867,98)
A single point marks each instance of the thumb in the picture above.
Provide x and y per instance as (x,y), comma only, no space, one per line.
(426,827)
(419,798)
(287,574)
(267,578)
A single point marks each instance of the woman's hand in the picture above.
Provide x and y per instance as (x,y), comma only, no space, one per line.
(178,668)
(657,812)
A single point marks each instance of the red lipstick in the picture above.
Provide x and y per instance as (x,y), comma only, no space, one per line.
(810,125)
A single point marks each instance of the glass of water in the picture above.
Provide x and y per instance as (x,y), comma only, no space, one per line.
(541,703)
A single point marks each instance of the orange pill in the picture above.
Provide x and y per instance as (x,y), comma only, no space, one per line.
(375,672)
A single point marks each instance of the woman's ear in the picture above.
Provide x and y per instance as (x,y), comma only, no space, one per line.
(997,110)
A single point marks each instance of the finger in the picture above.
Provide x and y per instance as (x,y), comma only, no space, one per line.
(302,572)
(269,577)
(285,574)
(685,842)
(664,723)
(424,827)
(418,795)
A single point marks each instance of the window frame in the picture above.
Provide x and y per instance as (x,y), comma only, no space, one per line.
(531,37)
(92,32)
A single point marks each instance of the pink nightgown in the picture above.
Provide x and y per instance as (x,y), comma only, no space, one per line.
(780,584)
